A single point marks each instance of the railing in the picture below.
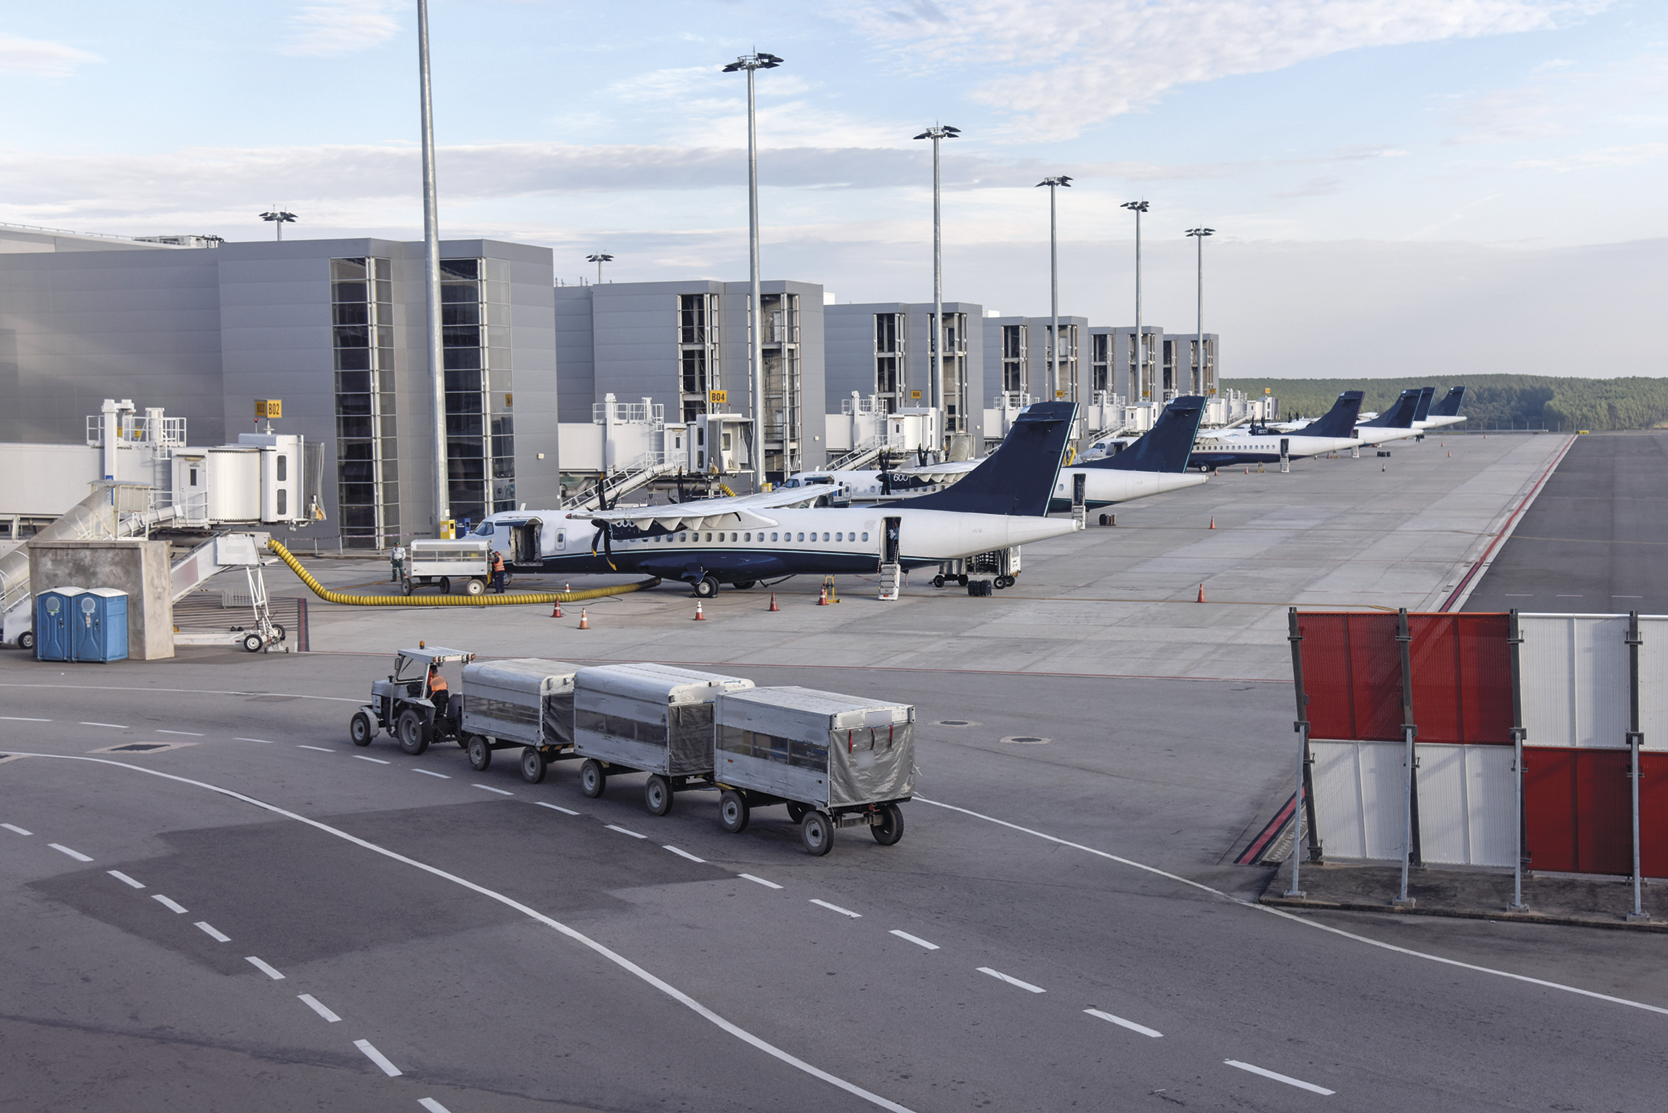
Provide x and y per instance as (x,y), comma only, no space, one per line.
(616,483)
(628,413)
(1011,400)
(138,429)
(869,405)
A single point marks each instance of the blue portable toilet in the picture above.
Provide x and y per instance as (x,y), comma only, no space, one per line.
(53,641)
(99,623)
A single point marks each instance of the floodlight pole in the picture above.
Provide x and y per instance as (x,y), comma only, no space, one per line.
(935,353)
(599,259)
(1053,346)
(1199,235)
(1139,207)
(749,63)
(431,274)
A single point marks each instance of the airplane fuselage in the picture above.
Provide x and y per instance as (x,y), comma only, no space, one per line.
(1107,487)
(1221,452)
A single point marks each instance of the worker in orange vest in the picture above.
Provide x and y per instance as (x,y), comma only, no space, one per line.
(498,571)
(439,692)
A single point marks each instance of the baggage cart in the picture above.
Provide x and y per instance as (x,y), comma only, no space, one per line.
(443,562)
(655,719)
(525,702)
(835,761)
(1001,565)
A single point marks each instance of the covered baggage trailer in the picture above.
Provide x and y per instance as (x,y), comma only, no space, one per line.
(835,761)
(649,718)
(443,562)
(523,701)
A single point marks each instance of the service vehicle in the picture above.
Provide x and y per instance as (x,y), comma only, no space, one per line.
(649,718)
(406,707)
(523,701)
(440,563)
(835,761)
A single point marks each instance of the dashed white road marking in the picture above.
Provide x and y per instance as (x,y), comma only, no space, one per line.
(1011,980)
(62,849)
(499,791)
(172,906)
(837,908)
(1286,1078)
(313,1003)
(262,741)
(124,878)
(209,930)
(625,831)
(266,968)
(432,773)
(182,733)
(14,827)
(112,726)
(378,1058)
(432,1106)
(915,939)
(320,749)
(556,808)
(378,760)
(759,881)
(22,719)
(683,854)
(1130,1024)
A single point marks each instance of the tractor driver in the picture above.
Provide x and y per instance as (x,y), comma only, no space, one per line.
(439,692)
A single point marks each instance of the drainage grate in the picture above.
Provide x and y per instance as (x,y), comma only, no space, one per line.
(137,747)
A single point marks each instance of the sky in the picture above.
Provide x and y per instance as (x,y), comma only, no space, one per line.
(1395,186)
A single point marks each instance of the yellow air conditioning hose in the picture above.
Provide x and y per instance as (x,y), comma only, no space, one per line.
(448,600)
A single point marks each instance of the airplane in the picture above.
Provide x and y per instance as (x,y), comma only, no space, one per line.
(1396,423)
(1445,412)
(1003,502)
(1261,445)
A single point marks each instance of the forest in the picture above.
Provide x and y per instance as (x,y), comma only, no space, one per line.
(1492,401)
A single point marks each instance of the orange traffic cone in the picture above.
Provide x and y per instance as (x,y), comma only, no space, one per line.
(557,611)
(1201,593)
(773,605)
(1213,521)
(822,598)
(584,618)
(567,585)
(699,617)
(1450,451)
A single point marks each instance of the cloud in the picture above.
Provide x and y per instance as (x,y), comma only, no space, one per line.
(1314,187)
(341,27)
(1063,65)
(39,57)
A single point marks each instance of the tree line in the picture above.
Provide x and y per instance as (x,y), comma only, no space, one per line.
(1492,401)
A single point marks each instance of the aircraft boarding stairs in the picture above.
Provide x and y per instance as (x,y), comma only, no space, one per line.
(645,470)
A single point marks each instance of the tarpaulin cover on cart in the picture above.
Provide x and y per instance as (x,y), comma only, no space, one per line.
(647,716)
(521,699)
(864,748)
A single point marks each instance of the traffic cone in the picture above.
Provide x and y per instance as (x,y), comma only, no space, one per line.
(699,617)
(1450,454)
(1213,521)
(567,585)
(773,605)
(584,618)
(1201,593)
(556,612)
(822,598)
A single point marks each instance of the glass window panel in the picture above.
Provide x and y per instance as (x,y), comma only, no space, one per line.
(382,268)
(385,290)
(355,427)
(356,471)
(463,313)
(353,450)
(384,337)
(497,270)
(353,336)
(498,359)
(353,359)
(356,494)
(463,403)
(466,293)
(463,379)
(461,358)
(353,382)
(460,268)
(358,517)
(353,405)
(350,292)
(461,336)
(347,269)
(352,313)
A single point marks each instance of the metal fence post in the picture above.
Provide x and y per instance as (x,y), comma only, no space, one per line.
(1301,726)
(1514,638)
(1635,739)
(1410,809)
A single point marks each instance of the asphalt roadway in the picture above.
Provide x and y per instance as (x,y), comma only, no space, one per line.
(243,918)
(1595,540)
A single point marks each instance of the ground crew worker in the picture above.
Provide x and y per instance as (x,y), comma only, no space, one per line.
(439,692)
(396,559)
(498,574)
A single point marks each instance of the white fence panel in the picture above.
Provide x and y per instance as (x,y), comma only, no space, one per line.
(1359,789)
(1653,681)
(1465,805)
(1574,672)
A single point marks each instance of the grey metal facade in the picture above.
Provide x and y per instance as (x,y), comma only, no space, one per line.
(868,342)
(1030,361)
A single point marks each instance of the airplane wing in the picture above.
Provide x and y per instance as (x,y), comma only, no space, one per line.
(954,467)
(742,511)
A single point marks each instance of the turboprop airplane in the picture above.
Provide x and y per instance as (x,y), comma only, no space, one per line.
(1260,445)
(1396,423)
(1003,502)
(1445,412)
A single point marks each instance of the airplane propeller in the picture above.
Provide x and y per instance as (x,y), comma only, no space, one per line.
(606,535)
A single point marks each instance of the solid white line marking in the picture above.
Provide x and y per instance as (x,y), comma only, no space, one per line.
(262,741)
(1286,1078)
(432,773)
(378,760)
(124,878)
(915,939)
(1130,1024)
(499,791)
(182,733)
(623,831)
(313,1003)
(556,808)
(263,967)
(759,881)
(1011,980)
(576,936)
(378,1058)
(15,827)
(170,905)
(112,726)
(22,719)
(320,749)
(432,1106)
(76,854)
(683,854)
(837,908)
(208,929)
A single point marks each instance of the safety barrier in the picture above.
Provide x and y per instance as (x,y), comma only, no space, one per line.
(329,596)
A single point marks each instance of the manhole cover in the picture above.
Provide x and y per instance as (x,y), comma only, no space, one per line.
(1026,740)
(138,747)
(955,722)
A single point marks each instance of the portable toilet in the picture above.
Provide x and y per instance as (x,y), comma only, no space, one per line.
(99,625)
(52,624)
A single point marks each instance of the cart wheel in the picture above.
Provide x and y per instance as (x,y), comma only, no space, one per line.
(532,765)
(890,831)
(360,730)
(445,585)
(706,587)
(657,794)
(743,585)
(405,586)
(414,739)
(593,778)
(938,581)
(26,640)
(796,812)
(253,643)
(961,580)
(733,812)
(480,753)
(474,587)
(816,831)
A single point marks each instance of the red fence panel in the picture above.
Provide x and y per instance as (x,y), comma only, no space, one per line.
(1352,672)
(1653,814)
(1462,677)
(1578,809)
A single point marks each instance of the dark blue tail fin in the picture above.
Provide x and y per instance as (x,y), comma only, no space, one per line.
(1424,409)
(1019,476)
(1449,406)
(1166,446)
(1339,420)
(1399,416)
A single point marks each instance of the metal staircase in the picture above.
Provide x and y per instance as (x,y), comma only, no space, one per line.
(891,580)
(640,473)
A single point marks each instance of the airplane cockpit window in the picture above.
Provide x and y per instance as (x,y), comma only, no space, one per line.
(484,530)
